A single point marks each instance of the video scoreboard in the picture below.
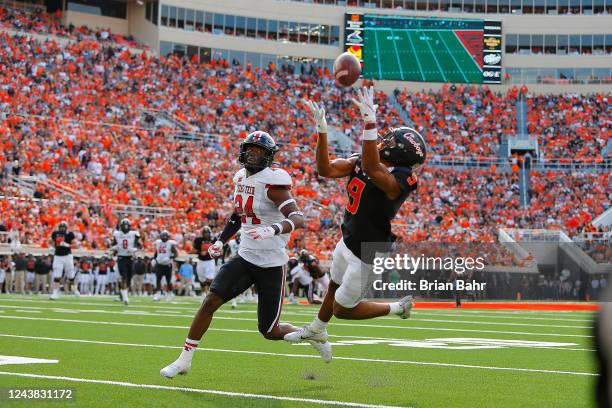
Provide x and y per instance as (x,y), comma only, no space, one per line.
(425,49)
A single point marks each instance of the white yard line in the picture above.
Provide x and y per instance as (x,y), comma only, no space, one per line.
(334,324)
(249,319)
(195,390)
(374,360)
(140,302)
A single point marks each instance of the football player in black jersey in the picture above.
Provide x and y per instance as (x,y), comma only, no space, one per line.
(205,268)
(379,181)
(64,242)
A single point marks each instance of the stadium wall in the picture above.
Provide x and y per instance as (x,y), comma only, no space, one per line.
(142,29)
(539,24)
(116,25)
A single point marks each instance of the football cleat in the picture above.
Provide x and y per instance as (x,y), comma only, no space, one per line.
(406,303)
(234,304)
(179,367)
(324,349)
(55,295)
(156,297)
(306,334)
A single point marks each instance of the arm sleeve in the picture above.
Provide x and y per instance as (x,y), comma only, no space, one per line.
(232,226)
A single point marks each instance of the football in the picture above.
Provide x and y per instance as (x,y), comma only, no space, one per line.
(347,69)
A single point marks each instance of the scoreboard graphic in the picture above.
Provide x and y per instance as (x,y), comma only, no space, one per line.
(426,49)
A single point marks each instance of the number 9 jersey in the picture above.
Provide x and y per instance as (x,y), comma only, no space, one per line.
(257,210)
(368,214)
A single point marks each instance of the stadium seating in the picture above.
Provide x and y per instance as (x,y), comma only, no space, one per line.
(77,116)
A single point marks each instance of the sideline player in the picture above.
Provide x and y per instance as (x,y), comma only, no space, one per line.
(205,268)
(126,242)
(379,181)
(165,254)
(63,261)
(266,214)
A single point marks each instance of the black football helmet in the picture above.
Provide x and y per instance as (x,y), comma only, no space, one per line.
(206,232)
(164,236)
(62,227)
(263,140)
(304,256)
(293,262)
(125,225)
(403,147)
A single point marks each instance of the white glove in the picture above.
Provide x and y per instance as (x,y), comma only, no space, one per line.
(261,233)
(318,114)
(153,262)
(365,103)
(216,249)
(65,244)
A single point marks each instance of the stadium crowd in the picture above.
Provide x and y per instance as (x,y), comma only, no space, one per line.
(571,126)
(37,21)
(462,120)
(81,119)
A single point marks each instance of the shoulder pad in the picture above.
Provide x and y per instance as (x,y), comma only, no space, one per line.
(240,174)
(277,177)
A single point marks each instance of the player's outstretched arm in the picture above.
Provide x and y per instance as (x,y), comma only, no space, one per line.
(370,156)
(336,168)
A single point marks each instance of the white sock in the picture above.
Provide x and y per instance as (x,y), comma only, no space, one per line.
(394,308)
(124,294)
(318,325)
(189,349)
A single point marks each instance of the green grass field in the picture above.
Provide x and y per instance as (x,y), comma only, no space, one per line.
(418,55)
(111,355)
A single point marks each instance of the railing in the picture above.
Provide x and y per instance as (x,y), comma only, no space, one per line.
(434,161)
(118,208)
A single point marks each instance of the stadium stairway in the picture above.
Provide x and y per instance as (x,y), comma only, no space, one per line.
(521,117)
(403,114)
(604,219)
(524,176)
(181,129)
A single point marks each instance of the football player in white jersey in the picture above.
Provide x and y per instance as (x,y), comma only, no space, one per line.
(126,242)
(165,253)
(266,214)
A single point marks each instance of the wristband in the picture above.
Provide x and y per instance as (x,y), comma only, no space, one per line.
(277,228)
(290,223)
(370,134)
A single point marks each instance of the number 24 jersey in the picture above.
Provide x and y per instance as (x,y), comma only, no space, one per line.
(257,210)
